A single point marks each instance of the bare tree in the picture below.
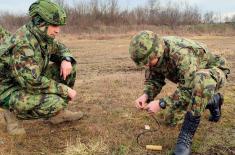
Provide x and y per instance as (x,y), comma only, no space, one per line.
(93,14)
(209,17)
(154,9)
(113,7)
(190,15)
(233,19)
(60,2)
(12,21)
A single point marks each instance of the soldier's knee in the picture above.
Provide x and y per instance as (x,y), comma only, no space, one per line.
(47,106)
(203,84)
(51,107)
(54,103)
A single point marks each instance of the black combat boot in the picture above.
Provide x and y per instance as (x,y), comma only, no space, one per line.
(188,129)
(214,105)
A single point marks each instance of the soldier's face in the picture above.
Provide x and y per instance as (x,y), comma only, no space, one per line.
(152,62)
(53,30)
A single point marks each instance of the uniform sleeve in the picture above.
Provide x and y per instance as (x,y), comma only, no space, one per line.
(154,81)
(60,51)
(27,72)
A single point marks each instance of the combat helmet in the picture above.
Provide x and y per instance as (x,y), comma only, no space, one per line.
(144,45)
(50,12)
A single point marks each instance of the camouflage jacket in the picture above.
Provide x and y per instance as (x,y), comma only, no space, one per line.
(181,59)
(3,34)
(24,57)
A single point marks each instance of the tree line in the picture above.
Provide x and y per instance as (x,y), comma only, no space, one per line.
(86,14)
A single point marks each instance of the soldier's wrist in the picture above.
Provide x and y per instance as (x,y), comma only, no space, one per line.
(162,104)
(67,58)
(146,96)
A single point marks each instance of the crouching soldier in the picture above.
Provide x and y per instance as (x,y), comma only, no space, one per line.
(37,73)
(198,73)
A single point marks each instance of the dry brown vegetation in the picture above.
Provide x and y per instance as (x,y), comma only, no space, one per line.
(108,16)
(107,84)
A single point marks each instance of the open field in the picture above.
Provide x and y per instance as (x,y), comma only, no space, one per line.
(108,83)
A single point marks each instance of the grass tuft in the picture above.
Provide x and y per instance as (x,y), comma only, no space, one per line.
(94,147)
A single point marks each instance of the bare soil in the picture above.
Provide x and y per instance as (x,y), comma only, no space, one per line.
(108,83)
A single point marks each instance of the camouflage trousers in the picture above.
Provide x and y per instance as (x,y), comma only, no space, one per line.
(32,106)
(204,85)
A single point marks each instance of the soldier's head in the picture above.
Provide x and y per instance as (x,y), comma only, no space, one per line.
(146,48)
(47,14)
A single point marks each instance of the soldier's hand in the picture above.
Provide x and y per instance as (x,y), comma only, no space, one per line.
(153,107)
(72,94)
(65,69)
(140,103)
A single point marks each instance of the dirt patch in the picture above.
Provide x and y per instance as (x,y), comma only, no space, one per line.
(108,82)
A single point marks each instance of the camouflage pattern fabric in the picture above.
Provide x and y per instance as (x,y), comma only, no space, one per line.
(49,11)
(198,73)
(145,46)
(24,78)
(190,99)
(3,34)
(31,106)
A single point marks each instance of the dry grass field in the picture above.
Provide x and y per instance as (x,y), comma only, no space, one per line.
(107,83)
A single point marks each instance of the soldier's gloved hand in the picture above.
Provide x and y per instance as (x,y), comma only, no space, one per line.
(65,69)
(153,107)
(72,94)
(140,103)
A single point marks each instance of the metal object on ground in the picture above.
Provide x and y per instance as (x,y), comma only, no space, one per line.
(150,147)
(154,147)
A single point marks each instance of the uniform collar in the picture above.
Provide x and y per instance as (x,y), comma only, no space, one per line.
(39,34)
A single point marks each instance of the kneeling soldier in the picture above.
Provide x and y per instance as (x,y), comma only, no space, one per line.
(198,73)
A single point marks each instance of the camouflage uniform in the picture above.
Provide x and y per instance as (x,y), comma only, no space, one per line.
(198,73)
(3,34)
(29,84)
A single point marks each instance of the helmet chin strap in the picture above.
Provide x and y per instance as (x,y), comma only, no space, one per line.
(43,27)
(46,29)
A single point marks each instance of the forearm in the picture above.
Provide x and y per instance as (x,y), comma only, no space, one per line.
(61,52)
(151,91)
(154,81)
(167,100)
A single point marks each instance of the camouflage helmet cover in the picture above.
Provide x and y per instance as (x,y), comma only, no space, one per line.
(143,45)
(51,12)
